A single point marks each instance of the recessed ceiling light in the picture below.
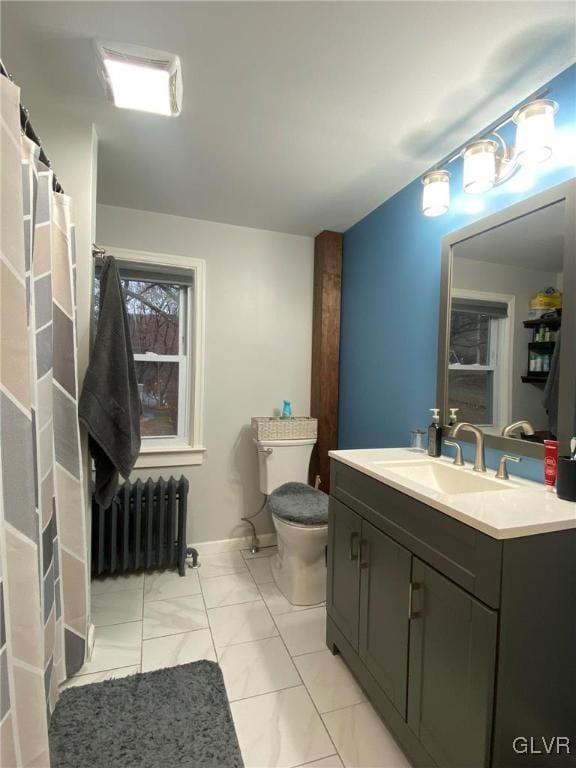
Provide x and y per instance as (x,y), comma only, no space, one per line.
(141,78)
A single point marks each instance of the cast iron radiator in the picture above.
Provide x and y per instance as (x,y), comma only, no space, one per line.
(144,528)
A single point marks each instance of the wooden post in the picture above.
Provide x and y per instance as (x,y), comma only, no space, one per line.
(325,351)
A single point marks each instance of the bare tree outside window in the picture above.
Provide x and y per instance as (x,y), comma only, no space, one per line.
(470,389)
(469,338)
(154,316)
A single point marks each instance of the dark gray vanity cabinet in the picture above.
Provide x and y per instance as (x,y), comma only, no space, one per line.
(452,666)
(463,643)
(369,577)
(343,589)
(384,584)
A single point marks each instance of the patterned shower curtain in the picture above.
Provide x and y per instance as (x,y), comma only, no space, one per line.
(43,558)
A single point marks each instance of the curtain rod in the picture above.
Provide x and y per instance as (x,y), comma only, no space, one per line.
(29,132)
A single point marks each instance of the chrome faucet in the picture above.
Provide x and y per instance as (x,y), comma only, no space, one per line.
(464,426)
(526,427)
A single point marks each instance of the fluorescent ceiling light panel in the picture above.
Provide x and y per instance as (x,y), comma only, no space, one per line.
(141,78)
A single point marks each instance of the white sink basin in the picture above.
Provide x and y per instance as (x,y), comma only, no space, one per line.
(442,478)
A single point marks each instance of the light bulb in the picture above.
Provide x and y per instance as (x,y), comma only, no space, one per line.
(435,193)
(480,166)
(535,131)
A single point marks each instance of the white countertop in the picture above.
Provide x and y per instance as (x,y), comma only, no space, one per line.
(528,508)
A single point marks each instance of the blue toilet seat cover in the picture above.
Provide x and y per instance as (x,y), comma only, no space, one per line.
(299,503)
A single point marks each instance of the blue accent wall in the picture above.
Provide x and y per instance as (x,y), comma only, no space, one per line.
(391,291)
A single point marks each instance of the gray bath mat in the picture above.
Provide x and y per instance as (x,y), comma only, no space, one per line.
(172,718)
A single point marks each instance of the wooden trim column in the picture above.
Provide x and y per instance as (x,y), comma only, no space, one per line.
(326,351)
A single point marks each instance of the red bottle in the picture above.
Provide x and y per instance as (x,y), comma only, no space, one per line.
(550,461)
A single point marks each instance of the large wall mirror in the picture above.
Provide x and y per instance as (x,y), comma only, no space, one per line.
(505,357)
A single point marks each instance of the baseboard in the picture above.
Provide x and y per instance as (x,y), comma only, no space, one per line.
(230,545)
(90,641)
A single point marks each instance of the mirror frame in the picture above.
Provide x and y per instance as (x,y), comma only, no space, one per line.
(565,192)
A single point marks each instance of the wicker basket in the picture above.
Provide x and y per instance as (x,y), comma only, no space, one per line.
(296,428)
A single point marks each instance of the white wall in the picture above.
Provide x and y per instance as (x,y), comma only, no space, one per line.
(258,348)
(523,284)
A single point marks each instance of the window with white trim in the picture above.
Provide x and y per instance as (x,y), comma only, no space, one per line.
(165,304)
(477,366)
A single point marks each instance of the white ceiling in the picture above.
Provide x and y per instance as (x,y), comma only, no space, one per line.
(535,241)
(298,116)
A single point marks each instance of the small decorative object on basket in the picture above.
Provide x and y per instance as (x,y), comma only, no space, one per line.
(295,428)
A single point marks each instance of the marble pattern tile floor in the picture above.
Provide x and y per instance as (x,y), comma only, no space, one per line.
(293,703)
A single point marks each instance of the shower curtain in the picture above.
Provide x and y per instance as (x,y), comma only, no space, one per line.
(43,558)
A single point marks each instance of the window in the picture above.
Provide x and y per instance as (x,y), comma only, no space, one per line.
(157,314)
(165,304)
(478,353)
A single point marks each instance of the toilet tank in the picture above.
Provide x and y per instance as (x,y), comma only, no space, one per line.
(283,461)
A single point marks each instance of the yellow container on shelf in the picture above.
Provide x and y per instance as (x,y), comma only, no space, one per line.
(544,302)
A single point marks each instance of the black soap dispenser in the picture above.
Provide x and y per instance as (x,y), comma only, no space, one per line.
(435,434)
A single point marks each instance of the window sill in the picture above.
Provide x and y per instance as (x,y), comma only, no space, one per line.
(170,456)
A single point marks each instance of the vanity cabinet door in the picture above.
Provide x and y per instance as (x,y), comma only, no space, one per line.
(452,669)
(343,588)
(384,591)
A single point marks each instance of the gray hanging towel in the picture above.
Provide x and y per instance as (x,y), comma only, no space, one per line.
(109,405)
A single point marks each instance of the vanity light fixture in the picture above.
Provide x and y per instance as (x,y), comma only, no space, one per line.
(141,78)
(436,193)
(489,161)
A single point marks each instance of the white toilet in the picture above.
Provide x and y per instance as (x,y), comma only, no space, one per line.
(300,516)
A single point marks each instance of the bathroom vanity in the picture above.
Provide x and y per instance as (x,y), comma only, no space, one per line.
(452,599)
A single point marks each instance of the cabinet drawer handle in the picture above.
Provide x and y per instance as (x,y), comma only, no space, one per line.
(363,554)
(352,551)
(413,587)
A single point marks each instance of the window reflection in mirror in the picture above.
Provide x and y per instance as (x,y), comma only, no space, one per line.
(505,324)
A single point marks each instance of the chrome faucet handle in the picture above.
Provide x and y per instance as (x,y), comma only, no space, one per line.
(502,473)
(458,460)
